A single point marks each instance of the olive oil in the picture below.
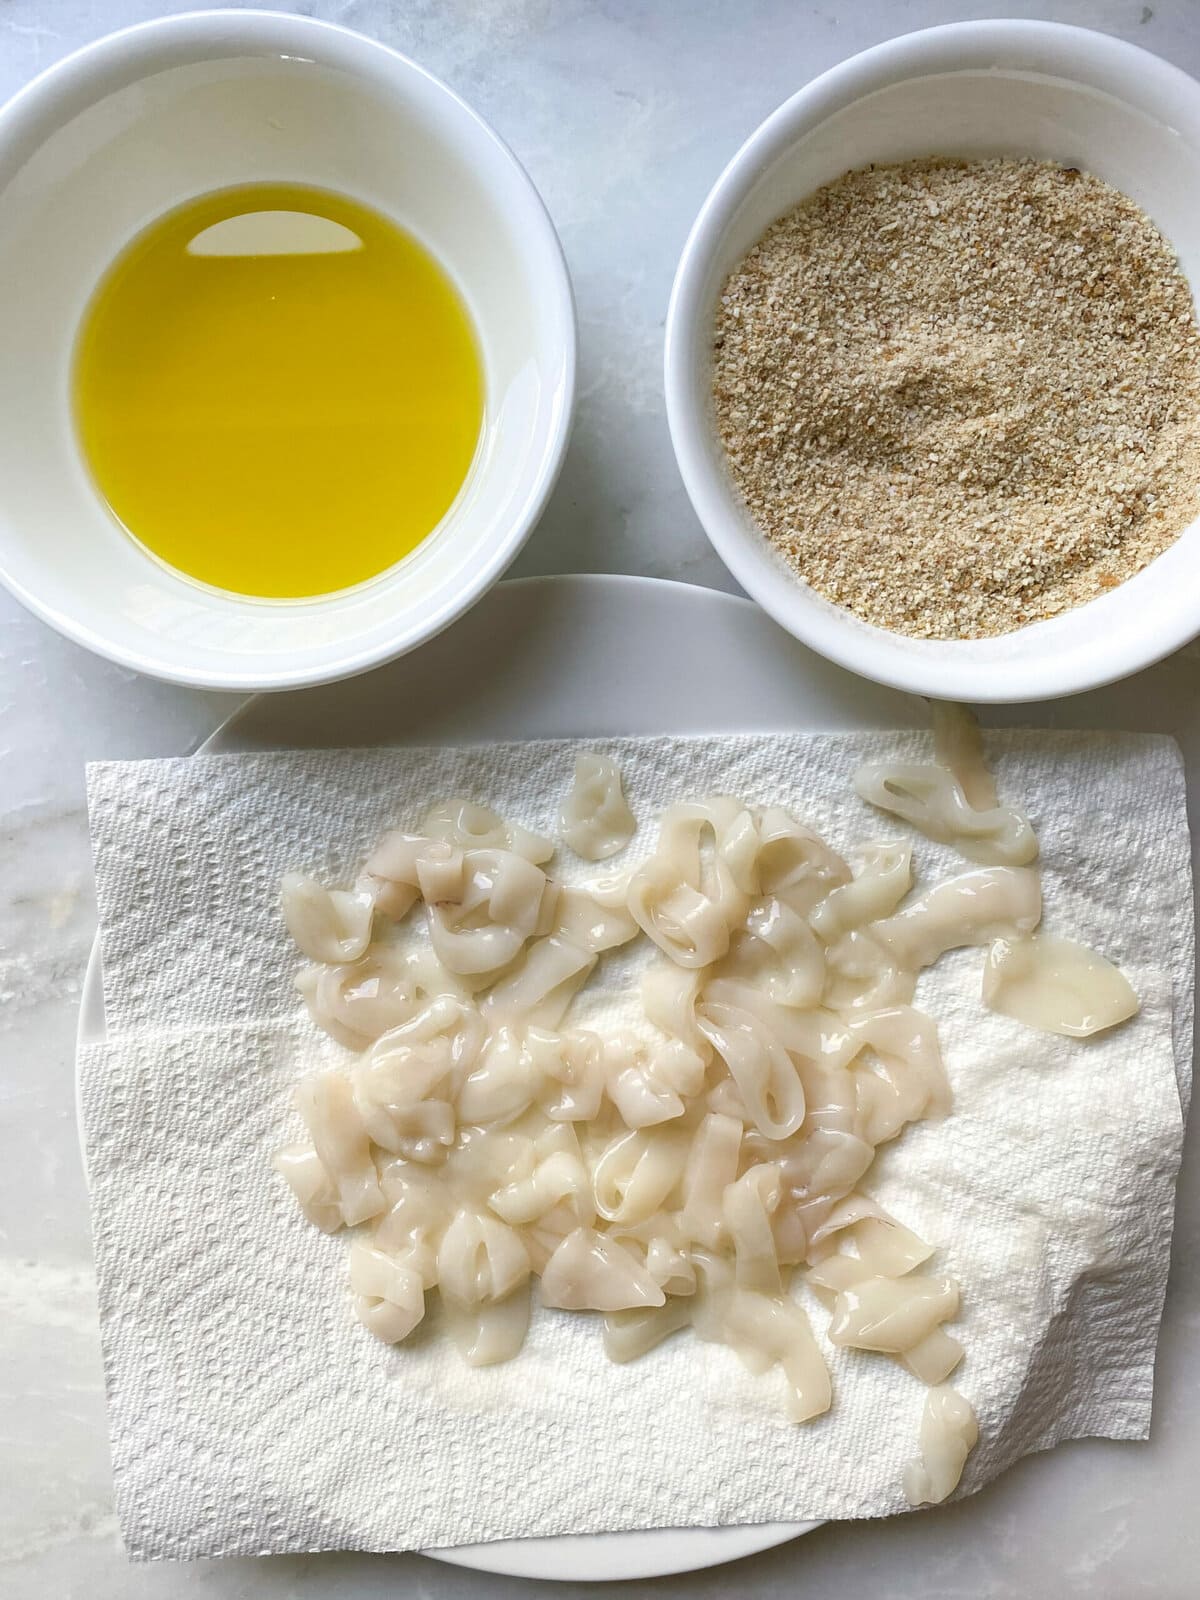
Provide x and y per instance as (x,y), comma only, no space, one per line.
(277,391)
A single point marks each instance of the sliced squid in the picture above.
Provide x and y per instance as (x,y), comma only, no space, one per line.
(492,1332)
(507,1079)
(949,1432)
(543,986)
(747,1207)
(670,1266)
(480,1260)
(358,1002)
(649,1082)
(560,1179)
(933,1358)
(327,1105)
(863,974)
(883,879)
(778,951)
(689,926)
(693,1164)
(595,820)
(906,1081)
(389,1297)
(417,1216)
(712,1165)
(884,1248)
(794,864)
(993,903)
(392,901)
(767,1331)
(697,886)
(591,1272)
(765,1074)
(412,866)
(634,1333)
(635,1174)
(475,827)
(958,746)
(584,921)
(1057,986)
(669,994)
(892,1314)
(931,799)
(574,1075)
(404,1096)
(329,925)
(301,1166)
(500,909)
(954,800)
(813,1033)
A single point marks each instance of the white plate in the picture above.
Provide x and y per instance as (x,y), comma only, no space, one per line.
(563,657)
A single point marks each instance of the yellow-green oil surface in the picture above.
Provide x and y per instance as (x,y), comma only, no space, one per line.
(278,391)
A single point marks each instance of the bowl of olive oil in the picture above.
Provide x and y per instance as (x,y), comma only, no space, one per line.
(286,351)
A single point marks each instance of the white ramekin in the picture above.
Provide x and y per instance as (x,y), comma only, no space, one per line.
(971,89)
(123,130)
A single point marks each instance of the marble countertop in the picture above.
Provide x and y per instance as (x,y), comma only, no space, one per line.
(623,113)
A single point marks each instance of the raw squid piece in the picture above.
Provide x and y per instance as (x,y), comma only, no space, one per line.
(1057,986)
(595,820)
(949,1432)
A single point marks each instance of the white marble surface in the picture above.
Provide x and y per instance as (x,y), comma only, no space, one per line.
(623,113)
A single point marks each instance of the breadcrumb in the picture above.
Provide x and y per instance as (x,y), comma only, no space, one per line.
(960,397)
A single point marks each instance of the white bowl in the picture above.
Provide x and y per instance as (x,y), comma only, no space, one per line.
(972,89)
(115,135)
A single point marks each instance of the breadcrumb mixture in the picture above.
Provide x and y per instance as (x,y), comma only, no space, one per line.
(960,397)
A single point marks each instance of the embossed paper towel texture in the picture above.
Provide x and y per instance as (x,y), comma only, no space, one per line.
(251,1413)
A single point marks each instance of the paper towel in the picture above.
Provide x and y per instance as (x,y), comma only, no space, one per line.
(251,1413)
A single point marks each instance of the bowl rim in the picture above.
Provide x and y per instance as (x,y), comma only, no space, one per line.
(131,53)
(1081,55)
